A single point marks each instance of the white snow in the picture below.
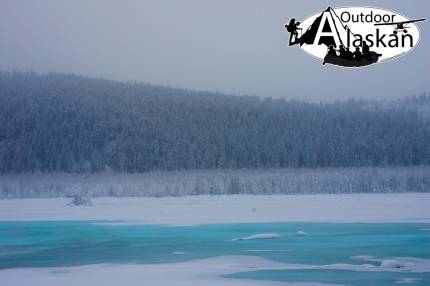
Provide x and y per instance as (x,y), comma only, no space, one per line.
(258,236)
(206,272)
(193,210)
(408,280)
(392,263)
(398,264)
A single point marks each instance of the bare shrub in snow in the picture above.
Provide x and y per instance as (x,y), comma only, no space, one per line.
(80,200)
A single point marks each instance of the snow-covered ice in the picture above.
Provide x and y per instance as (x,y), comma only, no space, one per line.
(408,280)
(194,210)
(398,264)
(393,263)
(207,271)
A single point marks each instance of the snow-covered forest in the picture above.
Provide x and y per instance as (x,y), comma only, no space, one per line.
(214,182)
(65,123)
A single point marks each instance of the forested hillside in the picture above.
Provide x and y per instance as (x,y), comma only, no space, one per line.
(75,124)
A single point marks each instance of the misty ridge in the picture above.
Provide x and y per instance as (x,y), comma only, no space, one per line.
(75,124)
(79,127)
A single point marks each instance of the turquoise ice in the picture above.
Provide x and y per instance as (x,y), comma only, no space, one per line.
(72,243)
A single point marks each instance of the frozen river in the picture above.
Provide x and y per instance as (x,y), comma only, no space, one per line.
(71,252)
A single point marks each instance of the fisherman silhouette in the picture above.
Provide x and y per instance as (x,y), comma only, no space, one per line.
(357,54)
(292,27)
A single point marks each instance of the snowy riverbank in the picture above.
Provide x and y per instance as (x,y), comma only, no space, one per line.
(408,207)
(197,272)
(209,271)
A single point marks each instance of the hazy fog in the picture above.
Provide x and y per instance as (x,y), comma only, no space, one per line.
(229,46)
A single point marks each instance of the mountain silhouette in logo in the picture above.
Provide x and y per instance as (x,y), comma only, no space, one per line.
(340,32)
(334,35)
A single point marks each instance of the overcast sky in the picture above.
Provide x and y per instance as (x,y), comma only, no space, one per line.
(231,46)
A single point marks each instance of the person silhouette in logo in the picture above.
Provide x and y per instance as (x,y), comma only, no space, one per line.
(331,51)
(357,54)
(366,50)
(342,52)
(348,54)
(293,28)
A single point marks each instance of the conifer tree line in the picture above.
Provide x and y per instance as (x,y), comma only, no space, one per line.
(68,123)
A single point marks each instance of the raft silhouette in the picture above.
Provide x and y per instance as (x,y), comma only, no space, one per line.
(371,58)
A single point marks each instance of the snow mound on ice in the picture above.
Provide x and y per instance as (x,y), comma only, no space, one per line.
(300,233)
(258,236)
